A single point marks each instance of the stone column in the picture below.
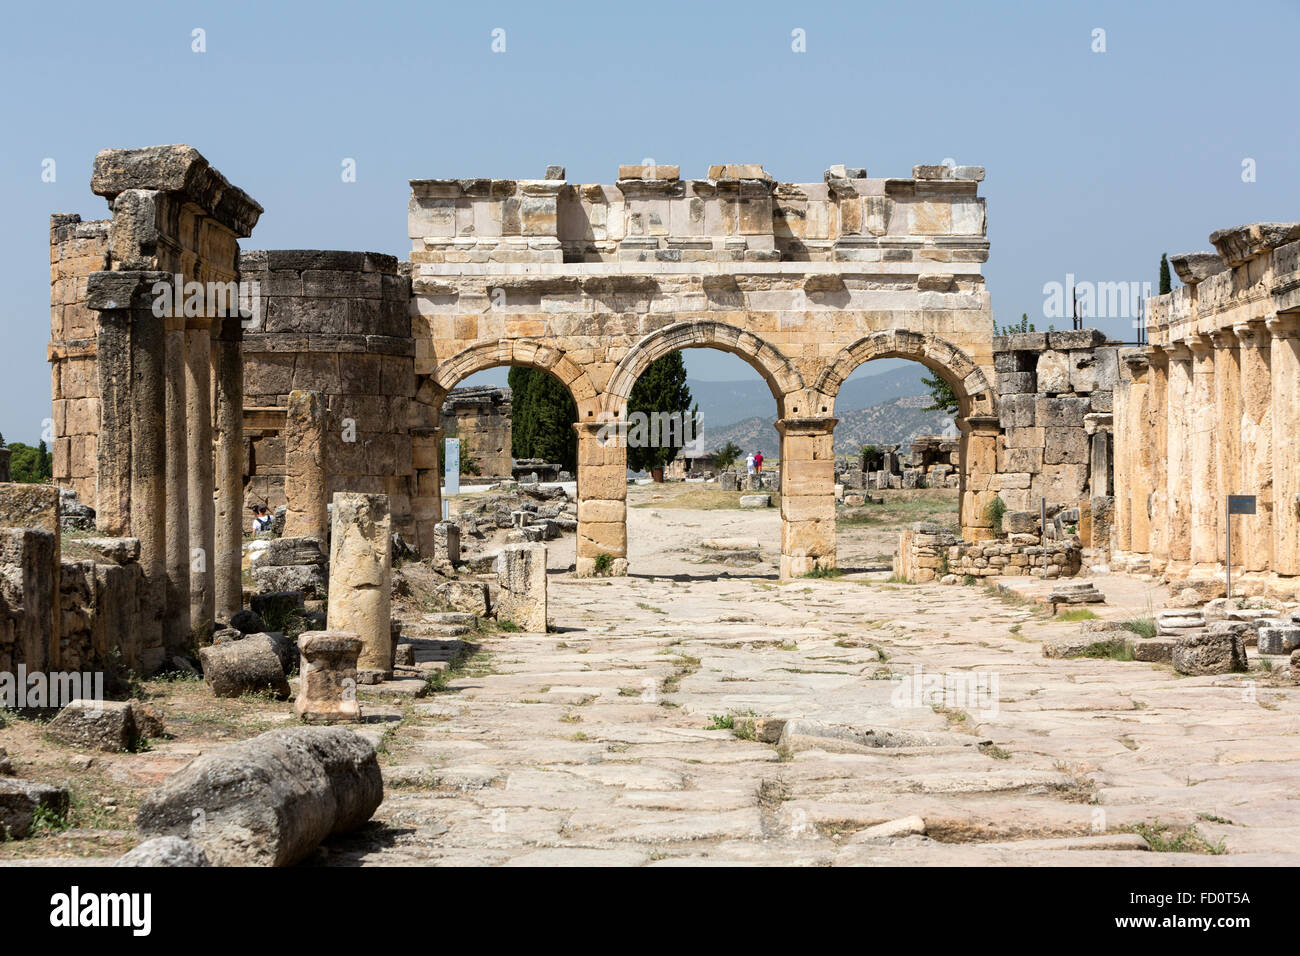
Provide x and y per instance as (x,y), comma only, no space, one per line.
(113,451)
(1158,417)
(1137,465)
(1178,485)
(1256,437)
(305,476)
(521,572)
(361,570)
(1285,367)
(176,614)
(1227,425)
(228,397)
(807,494)
(1206,501)
(602,498)
(198,454)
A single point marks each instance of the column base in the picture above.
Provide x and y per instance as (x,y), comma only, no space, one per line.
(586,568)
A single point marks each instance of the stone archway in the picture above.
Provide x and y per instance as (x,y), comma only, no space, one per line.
(779,372)
(977,408)
(432,389)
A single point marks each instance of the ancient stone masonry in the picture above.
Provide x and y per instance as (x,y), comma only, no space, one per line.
(1210,409)
(335,324)
(932,461)
(170,270)
(1055,392)
(480,418)
(803,281)
(77,249)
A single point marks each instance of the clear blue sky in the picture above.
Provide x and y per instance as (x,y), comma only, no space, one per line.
(1097,162)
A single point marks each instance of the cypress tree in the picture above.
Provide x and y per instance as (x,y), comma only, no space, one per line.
(1166,283)
(661,388)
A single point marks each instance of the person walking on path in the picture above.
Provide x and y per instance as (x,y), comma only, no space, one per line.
(749,463)
(758,462)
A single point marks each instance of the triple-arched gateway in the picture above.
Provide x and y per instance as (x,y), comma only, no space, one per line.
(805,282)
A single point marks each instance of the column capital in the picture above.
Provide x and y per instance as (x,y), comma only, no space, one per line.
(1224,339)
(1285,326)
(1252,334)
(983,423)
(1178,352)
(1199,344)
(806,426)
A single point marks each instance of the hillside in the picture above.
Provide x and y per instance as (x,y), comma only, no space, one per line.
(726,403)
(892,422)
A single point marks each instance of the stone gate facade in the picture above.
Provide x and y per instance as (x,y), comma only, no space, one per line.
(804,282)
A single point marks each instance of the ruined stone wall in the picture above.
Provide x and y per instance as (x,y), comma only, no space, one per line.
(1209,409)
(480,418)
(1056,396)
(335,323)
(928,552)
(77,249)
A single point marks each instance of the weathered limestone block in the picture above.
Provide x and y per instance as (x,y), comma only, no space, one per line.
(446,546)
(327,684)
(1053,373)
(108,725)
(755,501)
(19,801)
(165,851)
(305,476)
(521,572)
(360,585)
(471,597)
(1209,654)
(271,800)
(247,666)
(1278,638)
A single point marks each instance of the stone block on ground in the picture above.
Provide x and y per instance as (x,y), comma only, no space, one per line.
(248,666)
(522,576)
(271,800)
(327,686)
(107,725)
(1209,654)
(1278,638)
(20,801)
(755,501)
(1153,649)
(470,597)
(276,604)
(165,851)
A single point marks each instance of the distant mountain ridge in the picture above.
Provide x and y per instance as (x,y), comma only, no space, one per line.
(727,403)
(897,421)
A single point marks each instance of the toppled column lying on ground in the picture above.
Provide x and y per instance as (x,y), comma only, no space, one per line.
(361,571)
(271,800)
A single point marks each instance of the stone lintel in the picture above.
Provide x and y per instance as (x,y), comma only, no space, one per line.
(806,426)
(106,291)
(1240,244)
(180,171)
(1194,267)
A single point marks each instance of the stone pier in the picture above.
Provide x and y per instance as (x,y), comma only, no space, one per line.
(602,498)
(327,678)
(305,475)
(360,582)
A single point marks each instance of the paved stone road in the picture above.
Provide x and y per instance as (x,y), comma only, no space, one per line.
(593,744)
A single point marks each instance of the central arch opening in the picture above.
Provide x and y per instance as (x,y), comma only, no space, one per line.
(703,466)
(898,460)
